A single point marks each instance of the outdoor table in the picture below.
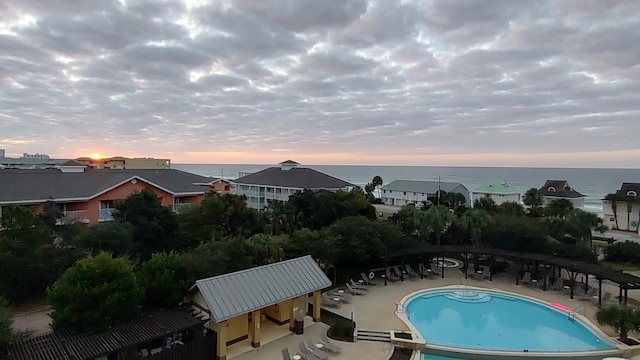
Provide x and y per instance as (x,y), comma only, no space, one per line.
(296,357)
(319,346)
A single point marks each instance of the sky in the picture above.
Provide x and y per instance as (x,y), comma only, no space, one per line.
(414,82)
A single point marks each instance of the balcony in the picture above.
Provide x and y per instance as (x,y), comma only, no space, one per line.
(178,207)
(106,215)
(73,217)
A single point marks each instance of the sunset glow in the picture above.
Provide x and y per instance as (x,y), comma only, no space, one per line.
(96,156)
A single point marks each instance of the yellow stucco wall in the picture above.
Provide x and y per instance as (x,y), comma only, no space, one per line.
(237,327)
(282,313)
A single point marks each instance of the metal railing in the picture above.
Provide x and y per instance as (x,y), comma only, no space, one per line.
(73,216)
(181,206)
(576,310)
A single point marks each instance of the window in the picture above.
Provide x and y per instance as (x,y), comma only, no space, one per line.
(612,219)
(278,191)
(632,193)
(551,189)
(405,193)
(226,188)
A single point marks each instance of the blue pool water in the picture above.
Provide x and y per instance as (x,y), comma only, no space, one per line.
(486,320)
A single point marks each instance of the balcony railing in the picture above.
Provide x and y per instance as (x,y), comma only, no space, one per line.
(73,216)
(181,206)
(106,215)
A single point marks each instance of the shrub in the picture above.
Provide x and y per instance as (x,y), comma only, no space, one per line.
(627,251)
(342,330)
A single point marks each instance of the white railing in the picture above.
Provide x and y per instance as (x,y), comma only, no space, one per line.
(181,206)
(578,309)
(106,215)
(73,216)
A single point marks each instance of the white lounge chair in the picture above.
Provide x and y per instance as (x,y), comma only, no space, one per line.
(354,291)
(309,352)
(333,347)
(410,271)
(588,295)
(526,278)
(358,286)
(367,280)
(332,302)
(391,276)
(398,271)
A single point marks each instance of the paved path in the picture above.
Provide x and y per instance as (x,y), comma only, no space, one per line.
(36,321)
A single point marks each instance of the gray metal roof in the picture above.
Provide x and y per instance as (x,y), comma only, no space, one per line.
(39,185)
(298,177)
(421,186)
(241,292)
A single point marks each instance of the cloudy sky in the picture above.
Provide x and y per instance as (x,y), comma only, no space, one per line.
(416,82)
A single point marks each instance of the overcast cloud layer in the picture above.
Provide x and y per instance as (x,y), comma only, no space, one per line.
(397,81)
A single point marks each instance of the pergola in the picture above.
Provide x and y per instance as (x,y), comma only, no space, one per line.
(625,281)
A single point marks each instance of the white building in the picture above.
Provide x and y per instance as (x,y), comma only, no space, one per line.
(405,192)
(626,216)
(278,183)
(499,191)
(2,154)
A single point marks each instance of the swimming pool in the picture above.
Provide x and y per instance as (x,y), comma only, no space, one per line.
(480,319)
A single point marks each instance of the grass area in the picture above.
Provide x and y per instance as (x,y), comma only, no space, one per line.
(620,266)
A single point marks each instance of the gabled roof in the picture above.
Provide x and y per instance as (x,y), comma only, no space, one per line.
(297,177)
(421,186)
(241,292)
(559,189)
(41,185)
(497,187)
(627,187)
(289,162)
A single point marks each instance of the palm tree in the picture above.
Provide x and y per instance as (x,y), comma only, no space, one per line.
(485,203)
(533,200)
(475,221)
(581,224)
(622,318)
(614,206)
(559,208)
(434,220)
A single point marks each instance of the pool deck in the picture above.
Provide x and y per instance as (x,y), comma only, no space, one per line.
(376,309)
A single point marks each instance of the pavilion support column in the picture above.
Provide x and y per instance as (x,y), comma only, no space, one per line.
(572,275)
(586,283)
(544,282)
(599,292)
(442,267)
(386,271)
(221,348)
(465,265)
(620,295)
(518,277)
(421,266)
(402,271)
(254,329)
(625,296)
(316,306)
(491,266)
(292,314)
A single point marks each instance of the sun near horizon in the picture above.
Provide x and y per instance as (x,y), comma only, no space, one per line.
(96,156)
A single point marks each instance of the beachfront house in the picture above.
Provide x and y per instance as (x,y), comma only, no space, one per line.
(560,189)
(621,210)
(89,195)
(498,190)
(405,192)
(279,182)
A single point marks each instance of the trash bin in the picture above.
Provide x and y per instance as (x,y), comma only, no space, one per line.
(298,326)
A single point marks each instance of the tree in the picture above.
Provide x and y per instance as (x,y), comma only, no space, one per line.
(613,198)
(372,187)
(434,220)
(622,318)
(356,241)
(6,329)
(94,293)
(510,208)
(532,198)
(114,237)
(485,203)
(219,257)
(581,224)
(165,279)
(154,227)
(475,221)
(265,250)
(559,208)
(452,200)
(405,218)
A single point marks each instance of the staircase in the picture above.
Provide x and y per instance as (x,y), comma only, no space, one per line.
(373,335)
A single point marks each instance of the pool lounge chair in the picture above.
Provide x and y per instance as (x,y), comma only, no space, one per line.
(367,280)
(341,295)
(426,272)
(287,356)
(330,301)
(526,278)
(391,276)
(588,295)
(312,353)
(358,286)
(354,291)
(319,346)
(398,271)
(333,347)
(410,271)
(606,298)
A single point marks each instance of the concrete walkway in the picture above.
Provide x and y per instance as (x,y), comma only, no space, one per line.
(35,321)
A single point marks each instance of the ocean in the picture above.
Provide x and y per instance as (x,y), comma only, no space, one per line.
(594,183)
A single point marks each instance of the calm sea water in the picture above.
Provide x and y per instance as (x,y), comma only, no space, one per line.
(594,183)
